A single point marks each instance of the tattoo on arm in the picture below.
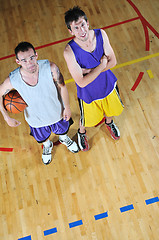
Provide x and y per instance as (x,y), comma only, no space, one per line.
(52,74)
(57,77)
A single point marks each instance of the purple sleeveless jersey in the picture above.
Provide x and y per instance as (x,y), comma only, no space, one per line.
(103,85)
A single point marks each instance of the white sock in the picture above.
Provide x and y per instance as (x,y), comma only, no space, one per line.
(47,143)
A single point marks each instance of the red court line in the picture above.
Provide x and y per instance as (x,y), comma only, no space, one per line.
(145,24)
(147,47)
(53,43)
(68,39)
(126,21)
(137,81)
(6,149)
(9,56)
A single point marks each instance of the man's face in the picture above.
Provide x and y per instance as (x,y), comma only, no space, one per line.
(80,29)
(28,60)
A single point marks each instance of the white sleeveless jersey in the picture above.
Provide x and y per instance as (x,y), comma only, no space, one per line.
(43,100)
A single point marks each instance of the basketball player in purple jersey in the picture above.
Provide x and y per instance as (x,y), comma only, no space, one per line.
(41,85)
(89,57)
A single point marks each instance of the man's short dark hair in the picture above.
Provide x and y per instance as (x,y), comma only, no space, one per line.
(73,14)
(23,47)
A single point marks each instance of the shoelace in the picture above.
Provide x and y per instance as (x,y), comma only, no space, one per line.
(83,138)
(46,150)
(113,128)
(68,141)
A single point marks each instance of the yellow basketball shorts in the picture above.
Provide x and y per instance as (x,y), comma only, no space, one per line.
(93,113)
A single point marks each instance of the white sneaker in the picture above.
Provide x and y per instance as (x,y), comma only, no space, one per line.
(46,156)
(70,144)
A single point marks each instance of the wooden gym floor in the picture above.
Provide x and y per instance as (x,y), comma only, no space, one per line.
(110,192)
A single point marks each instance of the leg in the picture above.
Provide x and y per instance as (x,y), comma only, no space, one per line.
(61,128)
(113,107)
(82,137)
(108,119)
(81,128)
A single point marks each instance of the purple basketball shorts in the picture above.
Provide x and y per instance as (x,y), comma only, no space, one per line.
(42,134)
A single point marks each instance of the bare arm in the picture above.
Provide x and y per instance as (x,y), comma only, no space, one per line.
(108,51)
(5,87)
(59,80)
(77,72)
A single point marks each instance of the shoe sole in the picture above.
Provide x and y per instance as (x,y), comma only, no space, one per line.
(47,162)
(115,138)
(84,150)
(73,151)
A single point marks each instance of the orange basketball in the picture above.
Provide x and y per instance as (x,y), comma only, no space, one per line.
(13,102)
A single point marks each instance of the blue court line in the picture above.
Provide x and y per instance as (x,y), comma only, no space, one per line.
(75,224)
(126,208)
(101,215)
(50,231)
(25,238)
(97,217)
(152,200)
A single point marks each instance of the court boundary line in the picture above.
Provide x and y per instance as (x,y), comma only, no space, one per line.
(100,216)
(145,25)
(126,63)
(70,38)
(144,22)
